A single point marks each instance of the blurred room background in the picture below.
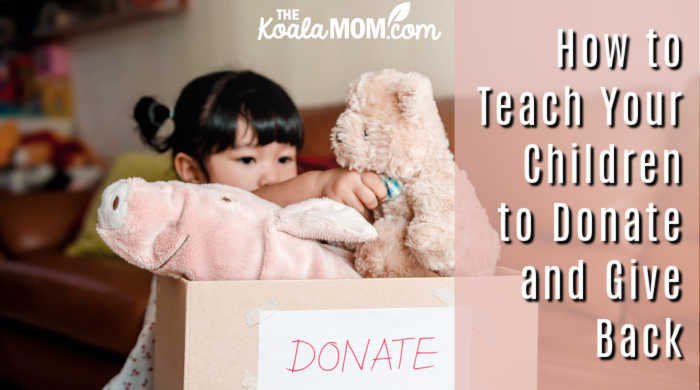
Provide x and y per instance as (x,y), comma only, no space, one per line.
(112,52)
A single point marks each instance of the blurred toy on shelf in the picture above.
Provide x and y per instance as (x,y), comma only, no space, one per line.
(19,180)
(49,160)
(52,64)
(36,82)
(56,96)
(51,60)
(22,70)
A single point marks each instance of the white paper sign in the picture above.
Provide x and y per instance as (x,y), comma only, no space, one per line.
(411,348)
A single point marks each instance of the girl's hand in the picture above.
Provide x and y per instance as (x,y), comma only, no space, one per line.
(360,190)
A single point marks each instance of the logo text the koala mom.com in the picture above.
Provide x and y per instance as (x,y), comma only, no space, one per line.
(290,25)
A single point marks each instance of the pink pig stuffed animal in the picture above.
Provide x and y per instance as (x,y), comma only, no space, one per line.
(217,232)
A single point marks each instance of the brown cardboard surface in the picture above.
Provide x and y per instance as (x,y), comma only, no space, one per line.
(171,320)
(203,340)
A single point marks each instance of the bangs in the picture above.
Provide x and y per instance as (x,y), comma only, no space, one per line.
(263,104)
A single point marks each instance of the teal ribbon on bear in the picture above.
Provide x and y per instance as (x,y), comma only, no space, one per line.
(393,187)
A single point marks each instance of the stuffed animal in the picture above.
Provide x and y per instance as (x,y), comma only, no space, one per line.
(217,232)
(391,126)
(19,178)
(46,146)
(50,160)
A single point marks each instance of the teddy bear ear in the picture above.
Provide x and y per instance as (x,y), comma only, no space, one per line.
(351,97)
(352,100)
(414,94)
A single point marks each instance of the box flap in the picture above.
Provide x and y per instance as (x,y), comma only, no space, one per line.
(171,326)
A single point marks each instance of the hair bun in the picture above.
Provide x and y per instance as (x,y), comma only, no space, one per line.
(150,116)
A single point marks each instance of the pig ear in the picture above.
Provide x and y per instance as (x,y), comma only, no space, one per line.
(167,245)
(324,219)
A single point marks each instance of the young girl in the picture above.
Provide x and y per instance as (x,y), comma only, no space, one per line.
(239,129)
(243,130)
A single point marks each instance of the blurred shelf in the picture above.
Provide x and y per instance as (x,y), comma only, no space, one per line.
(30,123)
(107,22)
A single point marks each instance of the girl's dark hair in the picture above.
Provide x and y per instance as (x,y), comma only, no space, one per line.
(206,115)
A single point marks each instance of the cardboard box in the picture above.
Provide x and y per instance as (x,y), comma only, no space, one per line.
(329,334)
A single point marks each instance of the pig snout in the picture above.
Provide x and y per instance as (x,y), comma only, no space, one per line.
(111,214)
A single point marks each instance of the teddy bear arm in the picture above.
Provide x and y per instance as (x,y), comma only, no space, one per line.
(432,244)
(385,256)
(430,234)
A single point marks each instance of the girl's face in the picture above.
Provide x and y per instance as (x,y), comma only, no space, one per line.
(250,166)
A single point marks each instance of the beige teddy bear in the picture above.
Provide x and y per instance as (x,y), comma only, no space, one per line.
(391,126)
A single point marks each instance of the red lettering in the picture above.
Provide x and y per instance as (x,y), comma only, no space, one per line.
(347,346)
(387,358)
(383,353)
(401,354)
(418,352)
(337,357)
(296,353)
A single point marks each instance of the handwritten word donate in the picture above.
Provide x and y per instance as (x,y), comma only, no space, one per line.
(385,354)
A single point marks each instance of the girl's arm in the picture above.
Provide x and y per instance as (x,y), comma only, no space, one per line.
(296,189)
(359,190)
